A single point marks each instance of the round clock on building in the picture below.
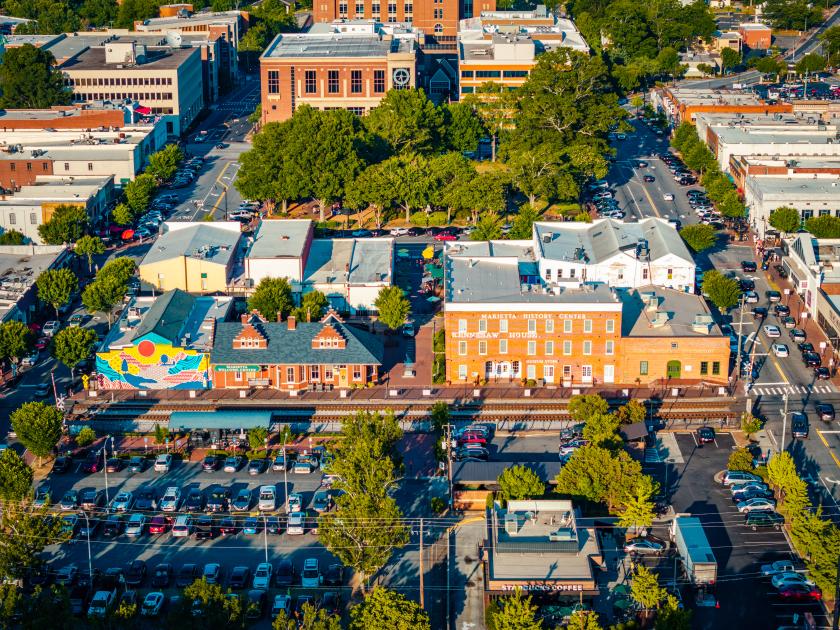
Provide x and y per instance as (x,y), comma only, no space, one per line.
(401,77)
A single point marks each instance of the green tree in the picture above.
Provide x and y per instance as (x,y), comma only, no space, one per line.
(724,292)
(671,616)
(699,237)
(638,510)
(823,227)
(15,476)
(517,613)
(407,121)
(684,135)
(523,225)
(729,58)
(792,14)
(520,482)
(584,406)
(120,269)
(645,589)
(24,533)
(488,228)
(347,533)
(12,237)
(38,427)
(541,172)
(463,127)
(384,609)
(15,340)
(30,80)
(272,297)
(161,434)
(494,104)
(771,65)
(741,459)
(705,69)
(98,12)
(86,436)
(217,610)
(89,246)
(312,307)
(122,214)
(139,193)
(584,620)
(73,345)
(750,424)
(312,618)
(164,163)
(599,475)
(394,308)
(56,286)
(731,205)
(131,11)
(601,429)
(668,62)
(102,295)
(485,193)
(631,412)
(810,63)
(785,219)
(374,188)
(831,44)
(10,604)
(66,225)
(257,437)
(439,415)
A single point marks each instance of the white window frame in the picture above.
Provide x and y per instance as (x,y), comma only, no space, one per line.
(587,325)
(549,348)
(503,325)
(503,347)
(587,347)
(532,348)
(567,325)
(462,348)
(567,348)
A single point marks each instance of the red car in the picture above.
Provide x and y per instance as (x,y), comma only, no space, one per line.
(800,593)
(445,236)
(42,343)
(158,525)
(92,465)
(473,438)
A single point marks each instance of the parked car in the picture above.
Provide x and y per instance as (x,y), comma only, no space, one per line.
(205,528)
(643,547)
(163,463)
(262,575)
(210,463)
(145,499)
(257,466)
(242,501)
(780,350)
(194,501)
(267,500)
(756,504)
(136,464)
(800,593)
(158,524)
(772,331)
(705,435)
(136,525)
(763,519)
(152,604)
(183,526)
(786,578)
(281,462)
(218,499)
(239,577)
(748,266)
(212,573)
(187,574)
(162,575)
(171,499)
(123,501)
(285,574)
(296,524)
(135,572)
(232,464)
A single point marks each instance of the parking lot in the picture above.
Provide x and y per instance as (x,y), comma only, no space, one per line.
(745,598)
(239,549)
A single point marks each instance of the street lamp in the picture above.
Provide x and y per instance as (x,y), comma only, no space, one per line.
(784,422)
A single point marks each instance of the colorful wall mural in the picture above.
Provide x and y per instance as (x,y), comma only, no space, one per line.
(152,363)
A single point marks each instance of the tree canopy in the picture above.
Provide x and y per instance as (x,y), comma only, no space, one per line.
(15,340)
(312,307)
(393,306)
(89,246)
(516,612)
(724,292)
(38,427)
(56,286)
(29,78)
(824,227)
(785,219)
(384,609)
(15,476)
(164,163)
(699,237)
(520,482)
(272,297)
(66,225)
(407,121)
(73,345)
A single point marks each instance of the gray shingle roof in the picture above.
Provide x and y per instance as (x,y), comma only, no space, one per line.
(167,315)
(294,347)
(207,242)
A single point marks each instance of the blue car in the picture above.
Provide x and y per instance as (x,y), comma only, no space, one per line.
(253,525)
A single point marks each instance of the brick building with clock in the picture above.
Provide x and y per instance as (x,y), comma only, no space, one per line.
(347,64)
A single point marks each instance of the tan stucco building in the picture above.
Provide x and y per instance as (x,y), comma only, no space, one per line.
(193,257)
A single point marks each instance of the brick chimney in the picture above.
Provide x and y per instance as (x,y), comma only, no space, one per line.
(245,317)
(292,323)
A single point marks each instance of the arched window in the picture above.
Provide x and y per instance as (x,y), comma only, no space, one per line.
(438,28)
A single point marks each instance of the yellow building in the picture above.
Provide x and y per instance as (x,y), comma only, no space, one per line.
(193,257)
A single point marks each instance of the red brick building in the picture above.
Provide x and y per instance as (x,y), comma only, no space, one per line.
(293,355)
(347,66)
(62,117)
(755,36)
(16,171)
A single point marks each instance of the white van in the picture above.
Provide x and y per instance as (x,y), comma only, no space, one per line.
(183,526)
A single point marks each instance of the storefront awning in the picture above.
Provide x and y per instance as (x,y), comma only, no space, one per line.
(233,420)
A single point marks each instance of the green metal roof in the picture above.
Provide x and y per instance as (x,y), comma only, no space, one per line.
(166,317)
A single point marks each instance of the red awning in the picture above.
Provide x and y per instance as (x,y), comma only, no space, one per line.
(128,235)
(142,109)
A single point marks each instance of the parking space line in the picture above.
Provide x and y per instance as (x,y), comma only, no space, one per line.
(825,443)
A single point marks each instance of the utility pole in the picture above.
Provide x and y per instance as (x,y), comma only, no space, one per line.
(422,589)
(784,423)
(449,462)
(740,333)
(285,477)
(105,467)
